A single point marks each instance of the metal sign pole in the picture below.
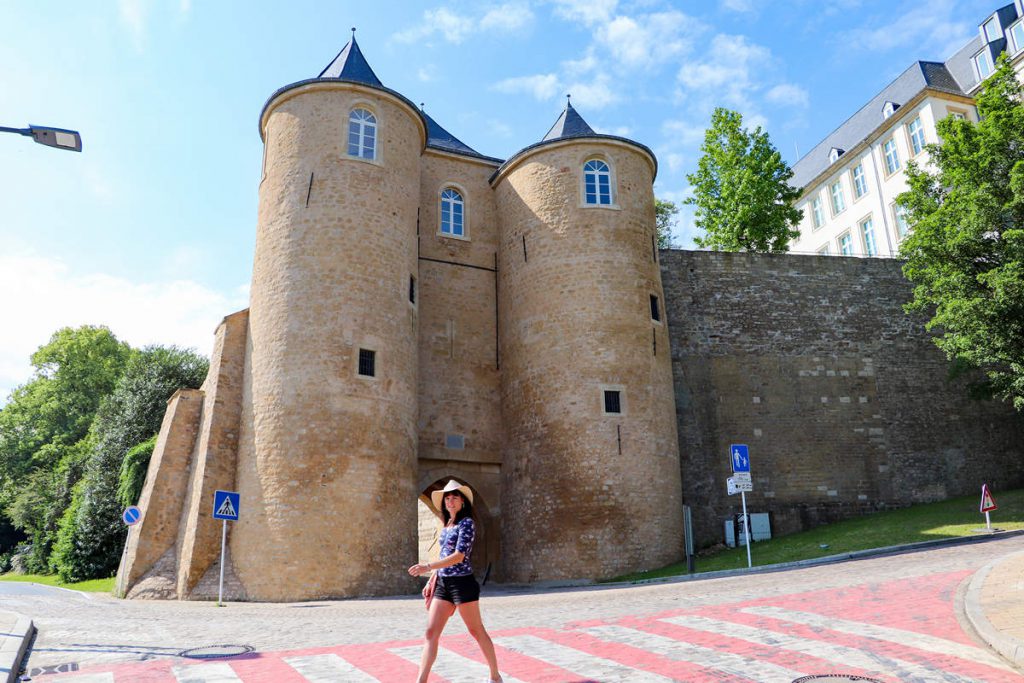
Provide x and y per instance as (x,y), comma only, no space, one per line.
(988,522)
(223,541)
(746,526)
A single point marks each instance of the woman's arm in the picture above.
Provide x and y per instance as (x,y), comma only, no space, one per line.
(454,558)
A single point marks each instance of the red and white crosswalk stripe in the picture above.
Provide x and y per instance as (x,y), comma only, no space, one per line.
(859,631)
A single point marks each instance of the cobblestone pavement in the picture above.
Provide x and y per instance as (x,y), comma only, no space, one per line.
(892,618)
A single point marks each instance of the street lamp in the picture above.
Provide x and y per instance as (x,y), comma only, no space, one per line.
(51,137)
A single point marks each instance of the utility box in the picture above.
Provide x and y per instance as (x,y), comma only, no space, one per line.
(760,529)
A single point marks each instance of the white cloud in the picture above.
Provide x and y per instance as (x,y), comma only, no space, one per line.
(730,70)
(788,94)
(588,12)
(674,161)
(426,73)
(739,5)
(579,67)
(926,27)
(594,95)
(649,39)
(451,26)
(621,131)
(541,86)
(42,295)
(133,15)
(499,128)
(683,132)
(508,17)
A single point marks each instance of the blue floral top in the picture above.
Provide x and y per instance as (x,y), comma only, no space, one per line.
(458,538)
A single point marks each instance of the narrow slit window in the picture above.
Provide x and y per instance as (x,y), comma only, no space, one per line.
(655,309)
(612,402)
(412,290)
(367,363)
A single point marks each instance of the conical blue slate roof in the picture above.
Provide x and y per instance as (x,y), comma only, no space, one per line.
(350,65)
(569,125)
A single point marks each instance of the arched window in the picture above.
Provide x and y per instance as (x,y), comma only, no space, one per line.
(362,134)
(452,213)
(597,182)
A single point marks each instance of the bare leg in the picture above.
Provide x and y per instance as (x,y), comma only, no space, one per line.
(437,617)
(470,613)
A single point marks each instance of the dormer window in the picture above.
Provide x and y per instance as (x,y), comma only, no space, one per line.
(888,109)
(983,64)
(991,30)
(834,154)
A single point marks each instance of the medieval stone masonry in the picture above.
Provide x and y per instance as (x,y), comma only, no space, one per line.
(421,312)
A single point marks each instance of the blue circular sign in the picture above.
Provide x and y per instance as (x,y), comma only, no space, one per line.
(131,515)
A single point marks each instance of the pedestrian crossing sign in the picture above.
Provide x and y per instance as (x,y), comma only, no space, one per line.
(988,503)
(225,505)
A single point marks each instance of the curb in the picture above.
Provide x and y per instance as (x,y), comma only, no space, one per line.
(1010,648)
(763,569)
(13,646)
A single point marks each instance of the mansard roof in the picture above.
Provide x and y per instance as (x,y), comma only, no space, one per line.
(569,125)
(860,126)
(350,65)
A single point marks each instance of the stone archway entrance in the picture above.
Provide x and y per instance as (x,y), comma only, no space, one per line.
(486,547)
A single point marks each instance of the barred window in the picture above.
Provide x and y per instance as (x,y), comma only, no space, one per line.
(367,363)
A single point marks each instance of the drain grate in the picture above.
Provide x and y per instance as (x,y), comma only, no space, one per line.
(216,651)
(836,678)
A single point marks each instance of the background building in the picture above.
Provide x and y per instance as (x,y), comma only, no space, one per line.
(851,179)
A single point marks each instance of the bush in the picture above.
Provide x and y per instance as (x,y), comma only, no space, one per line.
(133,472)
(91,535)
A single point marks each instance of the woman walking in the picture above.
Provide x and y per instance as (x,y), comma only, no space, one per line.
(456,587)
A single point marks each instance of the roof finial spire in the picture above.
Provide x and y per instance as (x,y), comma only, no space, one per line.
(421,107)
(353,33)
(568,99)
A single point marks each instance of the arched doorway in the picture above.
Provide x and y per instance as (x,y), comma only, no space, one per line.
(485,546)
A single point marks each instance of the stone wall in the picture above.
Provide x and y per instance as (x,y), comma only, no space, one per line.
(846,404)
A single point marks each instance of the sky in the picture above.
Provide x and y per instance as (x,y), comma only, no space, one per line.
(150,229)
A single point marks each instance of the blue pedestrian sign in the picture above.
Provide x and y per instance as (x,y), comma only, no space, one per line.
(739,456)
(131,515)
(225,505)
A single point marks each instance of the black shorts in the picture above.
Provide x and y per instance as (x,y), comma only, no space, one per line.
(457,589)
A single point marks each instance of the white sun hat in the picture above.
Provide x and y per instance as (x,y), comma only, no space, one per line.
(438,496)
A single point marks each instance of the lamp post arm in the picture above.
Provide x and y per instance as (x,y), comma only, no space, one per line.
(19,131)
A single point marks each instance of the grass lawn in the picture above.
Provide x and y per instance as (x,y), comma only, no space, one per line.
(91,586)
(954,518)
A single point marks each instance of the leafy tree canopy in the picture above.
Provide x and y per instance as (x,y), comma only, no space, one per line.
(741,190)
(665,213)
(965,254)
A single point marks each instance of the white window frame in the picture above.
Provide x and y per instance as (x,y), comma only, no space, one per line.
(899,219)
(362,123)
(824,250)
(601,199)
(917,139)
(845,242)
(836,199)
(1016,32)
(859,181)
(989,37)
(817,213)
(892,157)
(988,63)
(456,206)
(868,237)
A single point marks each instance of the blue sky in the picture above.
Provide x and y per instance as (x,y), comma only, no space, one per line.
(150,230)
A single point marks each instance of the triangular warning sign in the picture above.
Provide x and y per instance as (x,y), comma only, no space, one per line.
(988,503)
(226,509)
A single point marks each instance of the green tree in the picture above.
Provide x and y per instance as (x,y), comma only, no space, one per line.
(43,431)
(741,190)
(965,254)
(664,213)
(91,535)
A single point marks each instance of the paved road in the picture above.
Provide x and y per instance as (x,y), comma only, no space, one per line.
(892,618)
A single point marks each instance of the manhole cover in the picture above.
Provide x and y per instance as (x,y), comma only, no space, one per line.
(836,678)
(216,651)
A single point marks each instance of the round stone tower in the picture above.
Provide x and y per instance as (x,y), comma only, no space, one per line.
(327,452)
(591,459)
